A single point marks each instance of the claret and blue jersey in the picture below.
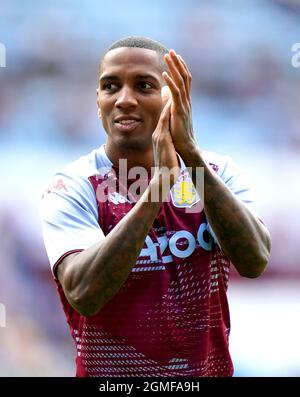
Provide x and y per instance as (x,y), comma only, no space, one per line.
(170,317)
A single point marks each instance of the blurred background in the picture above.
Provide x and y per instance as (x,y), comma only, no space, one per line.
(246,103)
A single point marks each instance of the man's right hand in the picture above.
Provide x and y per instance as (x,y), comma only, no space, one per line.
(167,167)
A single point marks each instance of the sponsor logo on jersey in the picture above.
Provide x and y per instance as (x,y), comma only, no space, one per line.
(181,244)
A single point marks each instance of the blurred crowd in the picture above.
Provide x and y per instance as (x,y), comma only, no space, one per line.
(246,103)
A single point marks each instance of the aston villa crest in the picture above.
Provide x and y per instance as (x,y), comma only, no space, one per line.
(184,193)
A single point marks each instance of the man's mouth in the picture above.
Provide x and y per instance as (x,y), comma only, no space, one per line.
(127,125)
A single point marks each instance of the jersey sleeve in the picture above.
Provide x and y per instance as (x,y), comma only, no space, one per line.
(69,217)
(236,180)
(239,184)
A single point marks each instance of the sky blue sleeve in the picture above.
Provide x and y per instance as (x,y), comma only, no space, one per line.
(69,216)
(236,180)
(239,184)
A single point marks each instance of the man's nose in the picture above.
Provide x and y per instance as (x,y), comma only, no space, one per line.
(126,98)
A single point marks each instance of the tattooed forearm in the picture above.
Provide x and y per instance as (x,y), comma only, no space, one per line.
(243,238)
(96,274)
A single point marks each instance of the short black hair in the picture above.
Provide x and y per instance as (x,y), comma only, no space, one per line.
(140,42)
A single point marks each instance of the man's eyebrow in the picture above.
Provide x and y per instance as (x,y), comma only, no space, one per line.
(146,76)
(108,77)
(137,77)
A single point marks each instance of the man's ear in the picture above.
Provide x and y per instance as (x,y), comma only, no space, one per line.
(99,111)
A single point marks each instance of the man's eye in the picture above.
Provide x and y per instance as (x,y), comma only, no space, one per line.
(108,86)
(144,85)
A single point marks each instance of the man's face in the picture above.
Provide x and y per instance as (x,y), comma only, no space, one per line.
(129,96)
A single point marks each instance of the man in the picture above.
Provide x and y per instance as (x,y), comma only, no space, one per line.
(143,277)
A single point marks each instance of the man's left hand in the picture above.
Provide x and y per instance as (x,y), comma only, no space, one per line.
(179,79)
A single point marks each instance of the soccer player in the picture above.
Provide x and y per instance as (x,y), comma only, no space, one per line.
(141,264)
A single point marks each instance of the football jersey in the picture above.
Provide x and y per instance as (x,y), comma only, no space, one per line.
(170,317)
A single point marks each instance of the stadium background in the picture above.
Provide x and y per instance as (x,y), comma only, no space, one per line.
(246,103)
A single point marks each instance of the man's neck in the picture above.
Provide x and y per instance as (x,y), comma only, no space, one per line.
(135,157)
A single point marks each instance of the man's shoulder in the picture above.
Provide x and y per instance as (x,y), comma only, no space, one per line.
(217,161)
(88,165)
(74,178)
